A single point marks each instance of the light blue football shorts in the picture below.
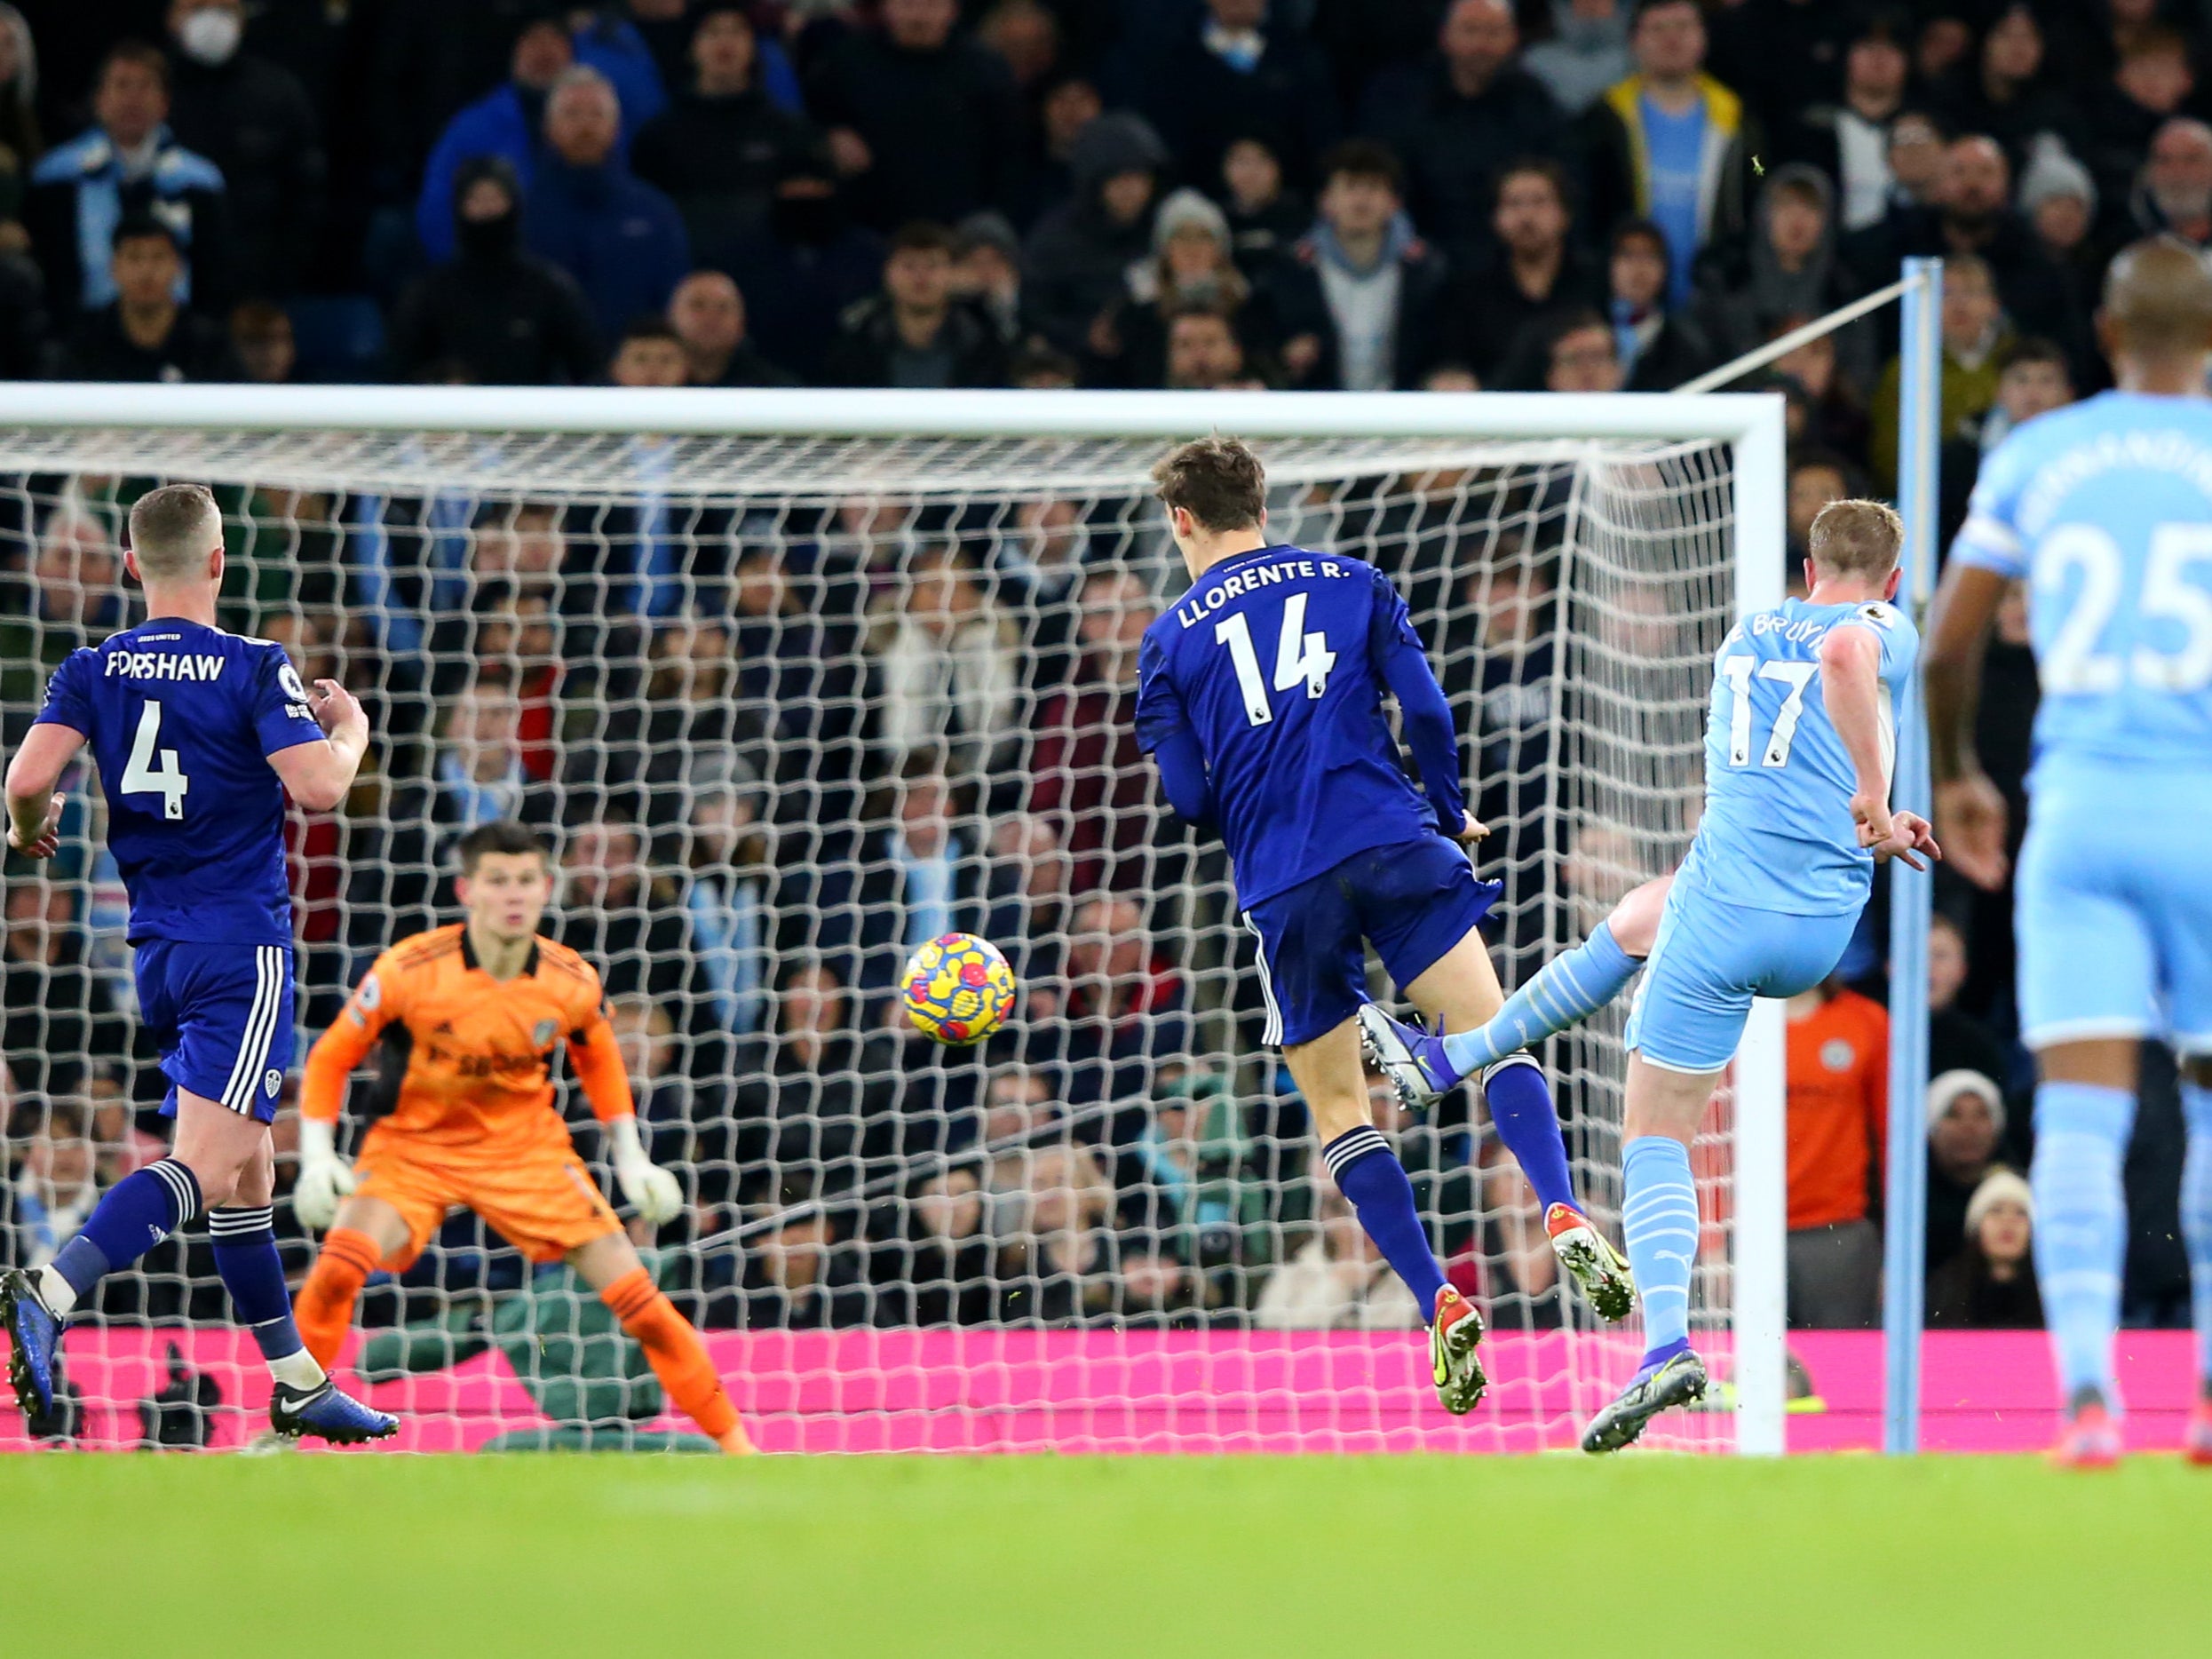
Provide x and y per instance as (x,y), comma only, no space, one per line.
(2112,907)
(1710,959)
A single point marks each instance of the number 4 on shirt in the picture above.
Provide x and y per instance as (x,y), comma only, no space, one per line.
(149,774)
(1299,657)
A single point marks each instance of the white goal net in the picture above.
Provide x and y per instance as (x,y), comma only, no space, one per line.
(785,705)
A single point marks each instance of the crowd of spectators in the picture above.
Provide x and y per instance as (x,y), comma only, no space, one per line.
(773,756)
(1573,194)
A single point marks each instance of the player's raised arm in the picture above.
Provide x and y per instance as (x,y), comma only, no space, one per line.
(1850,687)
(318,773)
(1986,556)
(1425,717)
(1969,809)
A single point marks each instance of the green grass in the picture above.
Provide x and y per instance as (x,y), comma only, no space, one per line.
(400,1558)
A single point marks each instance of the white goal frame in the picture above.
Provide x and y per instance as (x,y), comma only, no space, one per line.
(1751,424)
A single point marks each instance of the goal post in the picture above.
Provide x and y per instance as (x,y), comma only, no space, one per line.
(1596,546)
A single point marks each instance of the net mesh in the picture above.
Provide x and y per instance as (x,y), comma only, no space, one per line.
(786,708)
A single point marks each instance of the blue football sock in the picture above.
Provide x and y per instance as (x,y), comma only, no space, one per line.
(1373,1181)
(1570,987)
(137,1213)
(1520,1106)
(1659,1217)
(2080,1226)
(2196,1217)
(253,1273)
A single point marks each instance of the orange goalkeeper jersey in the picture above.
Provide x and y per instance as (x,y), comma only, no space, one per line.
(468,1058)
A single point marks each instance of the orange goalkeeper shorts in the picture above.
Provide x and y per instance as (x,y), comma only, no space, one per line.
(540,1199)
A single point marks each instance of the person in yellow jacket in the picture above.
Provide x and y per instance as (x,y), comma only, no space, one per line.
(1669,143)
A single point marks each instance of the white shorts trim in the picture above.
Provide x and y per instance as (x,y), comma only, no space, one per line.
(2086,1031)
(1652,1060)
(260,1030)
(1272,1031)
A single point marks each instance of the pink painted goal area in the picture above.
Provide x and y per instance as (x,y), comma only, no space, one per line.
(789,686)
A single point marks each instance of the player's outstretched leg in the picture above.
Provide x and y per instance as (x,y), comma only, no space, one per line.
(1569,989)
(677,1356)
(1660,1217)
(1461,985)
(2082,1132)
(2196,1228)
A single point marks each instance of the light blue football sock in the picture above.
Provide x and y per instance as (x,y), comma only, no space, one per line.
(1572,986)
(1658,1219)
(2081,1226)
(2196,1218)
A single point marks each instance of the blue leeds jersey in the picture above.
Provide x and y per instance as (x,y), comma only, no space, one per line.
(1777,833)
(179,717)
(2105,508)
(1276,661)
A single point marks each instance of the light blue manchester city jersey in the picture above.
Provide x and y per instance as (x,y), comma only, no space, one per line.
(1777,833)
(2105,508)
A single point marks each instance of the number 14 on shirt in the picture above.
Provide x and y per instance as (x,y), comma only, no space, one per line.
(1299,657)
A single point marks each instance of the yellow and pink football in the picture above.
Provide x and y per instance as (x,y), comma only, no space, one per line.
(957,988)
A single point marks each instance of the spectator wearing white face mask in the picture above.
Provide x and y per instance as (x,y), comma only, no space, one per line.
(254,120)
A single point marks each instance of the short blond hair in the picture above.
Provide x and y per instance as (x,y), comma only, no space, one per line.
(173,530)
(1857,538)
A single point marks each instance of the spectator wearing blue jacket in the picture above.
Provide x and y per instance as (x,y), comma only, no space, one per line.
(620,238)
(126,163)
(505,123)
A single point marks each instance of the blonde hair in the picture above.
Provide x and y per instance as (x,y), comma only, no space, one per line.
(1857,538)
(173,530)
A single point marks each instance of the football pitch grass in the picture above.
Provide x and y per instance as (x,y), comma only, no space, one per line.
(404,1558)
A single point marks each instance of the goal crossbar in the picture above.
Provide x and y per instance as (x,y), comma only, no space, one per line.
(685,411)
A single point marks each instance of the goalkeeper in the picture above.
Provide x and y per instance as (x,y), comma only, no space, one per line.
(468,1017)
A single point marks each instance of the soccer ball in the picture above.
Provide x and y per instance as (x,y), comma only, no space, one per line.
(957,988)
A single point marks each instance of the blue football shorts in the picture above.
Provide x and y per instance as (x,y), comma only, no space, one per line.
(2112,908)
(222,1017)
(1710,959)
(1413,900)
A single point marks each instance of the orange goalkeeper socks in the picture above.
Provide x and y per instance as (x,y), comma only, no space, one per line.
(678,1357)
(324,1307)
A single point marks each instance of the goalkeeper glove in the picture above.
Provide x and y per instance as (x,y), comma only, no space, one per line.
(655,1193)
(324,1177)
